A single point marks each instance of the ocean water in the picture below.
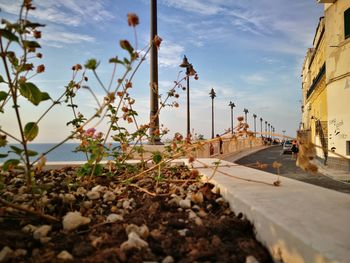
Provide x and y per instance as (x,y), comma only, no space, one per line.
(65,152)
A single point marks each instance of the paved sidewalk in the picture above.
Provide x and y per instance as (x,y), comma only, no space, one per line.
(298,222)
(335,174)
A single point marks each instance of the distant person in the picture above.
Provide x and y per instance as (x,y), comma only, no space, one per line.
(220,143)
(294,150)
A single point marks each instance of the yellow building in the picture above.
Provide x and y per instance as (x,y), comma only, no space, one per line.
(326,85)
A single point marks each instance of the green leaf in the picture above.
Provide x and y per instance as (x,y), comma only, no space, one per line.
(157,157)
(91,64)
(3,155)
(1,79)
(10,163)
(30,44)
(32,153)
(125,44)
(3,95)
(16,150)
(31,130)
(8,35)
(116,60)
(32,93)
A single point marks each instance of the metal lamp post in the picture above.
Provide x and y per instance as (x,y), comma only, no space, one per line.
(232,105)
(212,96)
(269,125)
(189,71)
(284,132)
(154,118)
(266,128)
(245,114)
(261,121)
(254,116)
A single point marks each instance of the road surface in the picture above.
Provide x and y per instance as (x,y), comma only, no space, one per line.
(289,168)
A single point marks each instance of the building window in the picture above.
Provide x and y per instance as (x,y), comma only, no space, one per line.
(347,23)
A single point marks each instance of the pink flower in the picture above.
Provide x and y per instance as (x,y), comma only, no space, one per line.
(90,132)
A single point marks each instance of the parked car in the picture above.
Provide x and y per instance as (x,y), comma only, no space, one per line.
(287,147)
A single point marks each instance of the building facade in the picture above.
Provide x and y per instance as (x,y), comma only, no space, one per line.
(326,85)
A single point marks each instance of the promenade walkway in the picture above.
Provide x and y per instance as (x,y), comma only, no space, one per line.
(298,222)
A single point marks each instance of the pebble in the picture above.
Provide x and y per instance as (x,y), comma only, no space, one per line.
(197,198)
(185,203)
(168,259)
(29,228)
(216,190)
(134,241)
(65,255)
(114,218)
(220,201)
(126,204)
(98,188)
(4,253)
(198,221)
(192,215)
(182,232)
(20,252)
(73,220)
(81,191)
(109,196)
(141,231)
(93,195)
(87,204)
(41,232)
(251,259)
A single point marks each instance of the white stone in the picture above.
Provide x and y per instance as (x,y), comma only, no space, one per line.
(93,195)
(185,203)
(168,259)
(134,241)
(29,228)
(81,191)
(198,221)
(109,196)
(126,204)
(191,215)
(114,218)
(220,201)
(73,220)
(98,188)
(4,253)
(182,232)
(142,231)
(67,198)
(20,252)
(251,259)
(41,231)
(87,204)
(65,255)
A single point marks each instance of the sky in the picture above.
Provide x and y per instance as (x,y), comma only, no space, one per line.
(250,52)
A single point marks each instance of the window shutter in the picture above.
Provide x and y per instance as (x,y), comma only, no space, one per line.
(347,23)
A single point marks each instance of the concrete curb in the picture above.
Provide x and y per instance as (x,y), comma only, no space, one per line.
(298,222)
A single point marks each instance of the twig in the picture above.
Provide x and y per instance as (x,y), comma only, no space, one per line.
(27,210)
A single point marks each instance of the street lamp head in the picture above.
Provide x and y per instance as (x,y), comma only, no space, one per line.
(212,93)
(185,63)
(265,122)
(232,104)
(261,119)
(191,70)
(254,116)
(245,111)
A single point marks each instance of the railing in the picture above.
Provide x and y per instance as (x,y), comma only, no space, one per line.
(316,80)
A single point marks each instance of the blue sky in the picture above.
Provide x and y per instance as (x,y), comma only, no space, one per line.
(250,52)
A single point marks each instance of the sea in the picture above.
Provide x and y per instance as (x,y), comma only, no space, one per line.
(65,152)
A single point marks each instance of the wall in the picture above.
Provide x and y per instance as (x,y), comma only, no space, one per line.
(337,77)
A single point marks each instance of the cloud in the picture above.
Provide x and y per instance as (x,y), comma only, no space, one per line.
(56,37)
(196,6)
(63,12)
(255,79)
(170,54)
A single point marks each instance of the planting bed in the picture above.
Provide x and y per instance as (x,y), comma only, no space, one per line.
(167,217)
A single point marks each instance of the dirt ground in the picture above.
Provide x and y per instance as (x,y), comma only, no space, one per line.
(159,217)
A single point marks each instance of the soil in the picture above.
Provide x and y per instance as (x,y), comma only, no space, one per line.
(167,217)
